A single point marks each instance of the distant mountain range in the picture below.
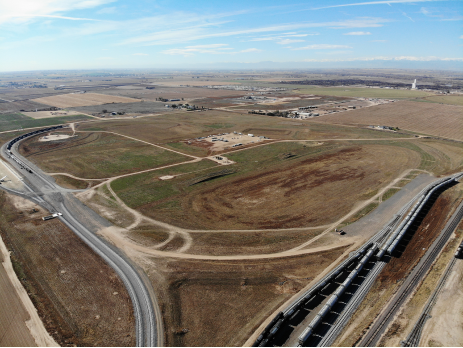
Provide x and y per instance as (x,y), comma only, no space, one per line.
(362,64)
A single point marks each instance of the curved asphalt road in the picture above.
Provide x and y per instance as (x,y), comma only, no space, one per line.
(43,191)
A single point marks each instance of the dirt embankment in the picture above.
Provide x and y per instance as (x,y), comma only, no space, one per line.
(410,251)
(79,298)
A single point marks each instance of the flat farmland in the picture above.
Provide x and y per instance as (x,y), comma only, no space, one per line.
(360,92)
(82,99)
(282,185)
(426,118)
(17,106)
(14,121)
(145,107)
(80,299)
(96,155)
(446,99)
(187,93)
(173,129)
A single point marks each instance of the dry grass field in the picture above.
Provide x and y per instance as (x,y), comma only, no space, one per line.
(426,118)
(279,185)
(82,99)
(79,297)
(221,303)
(187,93)
(446,99)
(248,243)
(174,130)
(96,155)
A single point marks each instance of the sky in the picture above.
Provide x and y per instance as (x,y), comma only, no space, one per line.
(128,34)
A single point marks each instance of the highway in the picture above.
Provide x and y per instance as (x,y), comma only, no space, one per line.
(41,189)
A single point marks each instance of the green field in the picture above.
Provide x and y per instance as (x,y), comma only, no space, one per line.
(97,155)
(10,122)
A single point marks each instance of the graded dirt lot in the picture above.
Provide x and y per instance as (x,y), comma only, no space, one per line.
(78,296)
(82,99)
(96,155)
(275,186)
(426,118)
(444,330)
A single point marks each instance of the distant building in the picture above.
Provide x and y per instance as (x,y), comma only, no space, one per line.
(414,84)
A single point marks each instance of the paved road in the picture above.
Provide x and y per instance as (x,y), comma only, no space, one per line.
(41,189)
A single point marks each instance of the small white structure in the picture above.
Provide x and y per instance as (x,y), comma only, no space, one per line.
(414,84)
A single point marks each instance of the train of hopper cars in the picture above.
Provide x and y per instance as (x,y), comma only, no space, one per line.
(389,246)
(274,326)
(10,144)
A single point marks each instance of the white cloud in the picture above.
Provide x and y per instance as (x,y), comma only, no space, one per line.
(288,41)
(248,50)
(386,2)
(208,46)
(400,58)
(107,10)
(321,47)
(378,40)
(207,49)
(24,10)
(461,37)
(358,33)
(191,50)
(140,54)
(201,30)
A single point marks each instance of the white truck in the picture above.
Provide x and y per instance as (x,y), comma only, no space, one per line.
(52,216)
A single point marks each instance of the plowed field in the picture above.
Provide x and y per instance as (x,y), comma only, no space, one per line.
(83,99)
(427,118)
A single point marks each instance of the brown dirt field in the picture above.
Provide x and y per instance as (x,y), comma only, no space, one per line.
(13,315)
(222,303)
(71,287)
(427,118)
(188,93)
(82,99)
(310,192)
(397,269)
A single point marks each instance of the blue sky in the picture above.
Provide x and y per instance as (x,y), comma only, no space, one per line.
(95,34)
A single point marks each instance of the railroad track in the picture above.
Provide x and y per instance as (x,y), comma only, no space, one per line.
(413,339)
(379,327)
